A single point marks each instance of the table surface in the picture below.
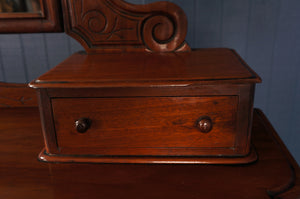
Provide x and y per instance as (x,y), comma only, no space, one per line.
(136,69)
(275,174)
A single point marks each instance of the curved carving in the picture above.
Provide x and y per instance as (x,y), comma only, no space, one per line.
(101,25)
(159,34)
(98,23)
(95,20)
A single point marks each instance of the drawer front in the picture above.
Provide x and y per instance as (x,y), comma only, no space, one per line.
(146,125)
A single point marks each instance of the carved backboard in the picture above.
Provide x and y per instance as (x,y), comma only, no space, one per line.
(115,25)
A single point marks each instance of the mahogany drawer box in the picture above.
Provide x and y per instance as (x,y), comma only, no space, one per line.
(145,107)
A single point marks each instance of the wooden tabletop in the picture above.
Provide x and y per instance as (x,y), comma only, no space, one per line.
(136,69)
(22,176)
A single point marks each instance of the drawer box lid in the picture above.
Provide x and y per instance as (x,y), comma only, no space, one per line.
(201,66)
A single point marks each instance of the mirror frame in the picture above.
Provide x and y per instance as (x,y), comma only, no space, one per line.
(48,20)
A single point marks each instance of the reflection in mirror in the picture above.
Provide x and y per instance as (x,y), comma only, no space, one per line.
(19,6)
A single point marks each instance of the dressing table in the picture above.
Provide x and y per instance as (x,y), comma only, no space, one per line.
(275,174)
(186,116)
(139,94)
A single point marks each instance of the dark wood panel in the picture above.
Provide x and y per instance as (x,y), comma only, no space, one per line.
(46,116)
(241,145)
(262,33)
(198,66)
(17,95)
(47,20)
(117,26)
(204,90)
(147,125)
(22,176)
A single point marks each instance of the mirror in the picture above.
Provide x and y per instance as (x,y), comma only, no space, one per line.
(20,6)
(28,16)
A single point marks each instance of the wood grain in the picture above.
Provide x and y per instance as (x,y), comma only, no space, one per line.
(90,100)
(115,25)
(146,126)
(17,95)
(48,20)
(109,28)
(22,176)
(146,69)
(129,95)
(46,115)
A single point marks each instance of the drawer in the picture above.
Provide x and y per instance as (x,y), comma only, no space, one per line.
(146,125)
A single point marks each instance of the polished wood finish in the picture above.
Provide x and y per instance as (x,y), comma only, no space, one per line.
(115,25)
(230,160)
(201,66)
(17,95)
(46,115)
(205,124)
(274,175)
(147,126)
(82,125)
(139,91)
(48,20)
(149,104)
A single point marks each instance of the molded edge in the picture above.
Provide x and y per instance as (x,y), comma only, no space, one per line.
(250,158)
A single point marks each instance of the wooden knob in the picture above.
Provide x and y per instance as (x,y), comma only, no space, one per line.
(204,124)
(82,125)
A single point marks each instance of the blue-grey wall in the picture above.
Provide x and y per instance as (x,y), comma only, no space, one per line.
(265,32)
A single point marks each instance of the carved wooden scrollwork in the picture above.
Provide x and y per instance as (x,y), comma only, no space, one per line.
(115,25)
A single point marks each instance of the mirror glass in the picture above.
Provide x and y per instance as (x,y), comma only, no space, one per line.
(20,6)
